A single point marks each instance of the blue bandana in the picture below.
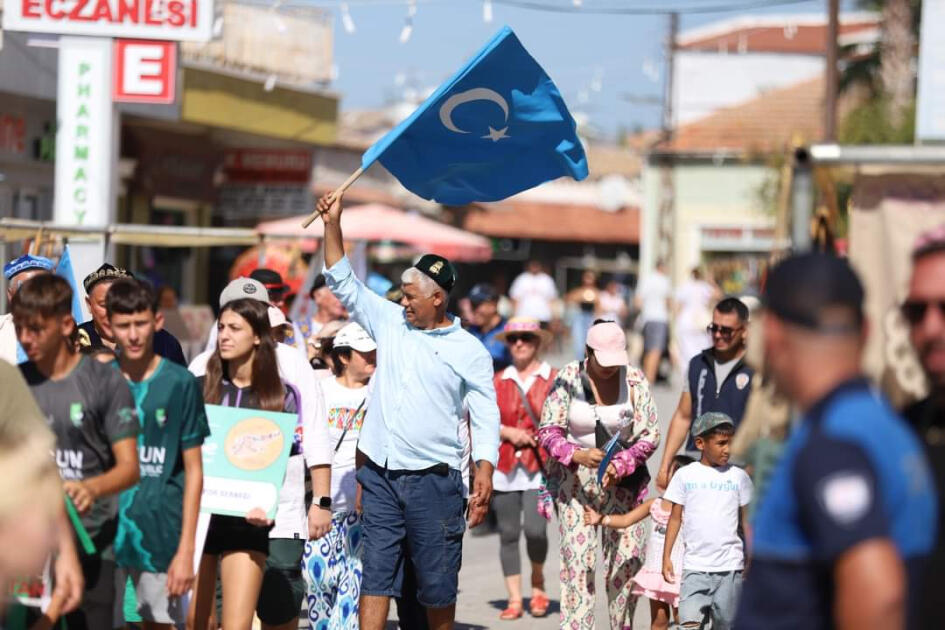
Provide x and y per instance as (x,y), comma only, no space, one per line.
(26,263)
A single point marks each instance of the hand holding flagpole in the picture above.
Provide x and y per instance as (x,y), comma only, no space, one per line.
(335,194)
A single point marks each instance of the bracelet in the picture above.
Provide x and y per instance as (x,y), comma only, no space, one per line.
(605,521)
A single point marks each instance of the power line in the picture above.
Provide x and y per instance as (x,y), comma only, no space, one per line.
(550,7)
(648,10)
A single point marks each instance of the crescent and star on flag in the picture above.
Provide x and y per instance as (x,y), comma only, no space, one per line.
(475,94)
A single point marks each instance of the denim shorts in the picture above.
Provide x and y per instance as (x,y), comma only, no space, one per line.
(704,596)
(419,511)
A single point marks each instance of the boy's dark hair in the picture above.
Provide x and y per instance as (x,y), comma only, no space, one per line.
(128,296)
(722,429)
(337,367)
(46,295)
(733,305)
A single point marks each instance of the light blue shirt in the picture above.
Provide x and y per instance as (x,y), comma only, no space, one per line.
(425,381)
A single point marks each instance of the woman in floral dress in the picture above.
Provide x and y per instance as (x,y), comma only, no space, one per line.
(590,401)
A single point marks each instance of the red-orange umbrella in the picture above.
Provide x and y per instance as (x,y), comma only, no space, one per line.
(285,260)
(377,222)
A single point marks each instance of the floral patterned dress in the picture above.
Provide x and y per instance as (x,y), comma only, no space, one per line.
(567,426)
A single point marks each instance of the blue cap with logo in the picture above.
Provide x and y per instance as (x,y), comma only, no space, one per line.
(26,263)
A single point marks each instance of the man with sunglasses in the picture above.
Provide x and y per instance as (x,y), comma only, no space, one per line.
(717,380)
(924,310)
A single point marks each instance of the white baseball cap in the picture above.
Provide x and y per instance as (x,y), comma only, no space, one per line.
(354,337)
(244,288)
(276,317)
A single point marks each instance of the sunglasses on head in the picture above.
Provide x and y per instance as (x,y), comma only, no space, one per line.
(514,338)
(913,311)
(723,331)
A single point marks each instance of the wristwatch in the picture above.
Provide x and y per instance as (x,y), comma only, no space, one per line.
(322,502)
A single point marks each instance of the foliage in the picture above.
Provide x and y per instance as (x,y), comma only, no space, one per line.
(870,124)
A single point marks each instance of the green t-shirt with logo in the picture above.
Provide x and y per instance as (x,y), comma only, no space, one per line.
(88,410)
(170,407)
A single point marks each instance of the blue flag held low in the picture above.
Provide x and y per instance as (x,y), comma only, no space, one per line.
(497,127)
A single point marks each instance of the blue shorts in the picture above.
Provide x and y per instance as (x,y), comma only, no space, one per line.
(421,511)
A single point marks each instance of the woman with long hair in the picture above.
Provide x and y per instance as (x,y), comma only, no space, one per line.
(599,426)
(241,373)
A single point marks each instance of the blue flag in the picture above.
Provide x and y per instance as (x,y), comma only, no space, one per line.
(497,127)
(64,271)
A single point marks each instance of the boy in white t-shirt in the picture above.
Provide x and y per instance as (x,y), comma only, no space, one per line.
(710,499)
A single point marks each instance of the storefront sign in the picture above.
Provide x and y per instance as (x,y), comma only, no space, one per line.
(84,140)
(247,201)
(145,71)
(268,165)
(736,238)
(178,20)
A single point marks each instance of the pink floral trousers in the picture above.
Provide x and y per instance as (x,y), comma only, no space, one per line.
(622,550)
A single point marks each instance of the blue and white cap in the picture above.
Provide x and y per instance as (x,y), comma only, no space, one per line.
(26,263)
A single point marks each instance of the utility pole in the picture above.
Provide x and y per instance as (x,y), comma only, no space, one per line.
(831,75)
(666,217)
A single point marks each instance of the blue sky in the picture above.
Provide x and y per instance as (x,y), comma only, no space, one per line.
(615,54)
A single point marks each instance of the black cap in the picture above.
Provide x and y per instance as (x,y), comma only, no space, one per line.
(270,279)
(800,288)
(439,269)
(105,272)
(482,292)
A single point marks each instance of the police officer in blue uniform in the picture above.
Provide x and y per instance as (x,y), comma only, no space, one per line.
(841,537)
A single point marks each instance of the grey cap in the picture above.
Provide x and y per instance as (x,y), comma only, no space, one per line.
(244,288)
(708,421)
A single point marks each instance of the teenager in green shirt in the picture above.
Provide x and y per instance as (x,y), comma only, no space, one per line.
(158,517)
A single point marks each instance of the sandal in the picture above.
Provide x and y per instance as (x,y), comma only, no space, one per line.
(538,606)
(513,612)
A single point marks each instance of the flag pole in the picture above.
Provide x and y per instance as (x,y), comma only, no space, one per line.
(337,192)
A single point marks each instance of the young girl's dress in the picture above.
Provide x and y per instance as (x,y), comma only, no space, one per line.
(649,581)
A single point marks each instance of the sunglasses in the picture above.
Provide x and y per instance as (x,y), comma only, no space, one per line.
(723,331)
(914,311)
(516,337)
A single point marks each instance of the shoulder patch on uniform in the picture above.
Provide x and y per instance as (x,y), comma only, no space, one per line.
(741,380)
(846,496)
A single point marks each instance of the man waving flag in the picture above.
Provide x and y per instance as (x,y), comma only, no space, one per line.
(497,127)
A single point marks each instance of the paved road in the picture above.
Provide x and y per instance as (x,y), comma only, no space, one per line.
(482,591)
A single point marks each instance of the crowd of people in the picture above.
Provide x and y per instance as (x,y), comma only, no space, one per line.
(411,427)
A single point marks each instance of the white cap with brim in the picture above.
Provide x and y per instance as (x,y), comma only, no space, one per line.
(354,337)
(244,288)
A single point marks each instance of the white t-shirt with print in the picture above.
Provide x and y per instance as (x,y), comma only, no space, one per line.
(533,294)
(341,404)
(711,498)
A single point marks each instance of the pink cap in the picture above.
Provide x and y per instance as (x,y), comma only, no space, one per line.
(609,344)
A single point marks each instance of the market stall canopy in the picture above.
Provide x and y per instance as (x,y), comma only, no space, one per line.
(377,222)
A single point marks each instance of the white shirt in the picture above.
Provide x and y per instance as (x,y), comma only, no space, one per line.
(711,498)
(520,480)
(291,519)
(693,299)
(7,339)
(341,403)
(653,291)
(533,294)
